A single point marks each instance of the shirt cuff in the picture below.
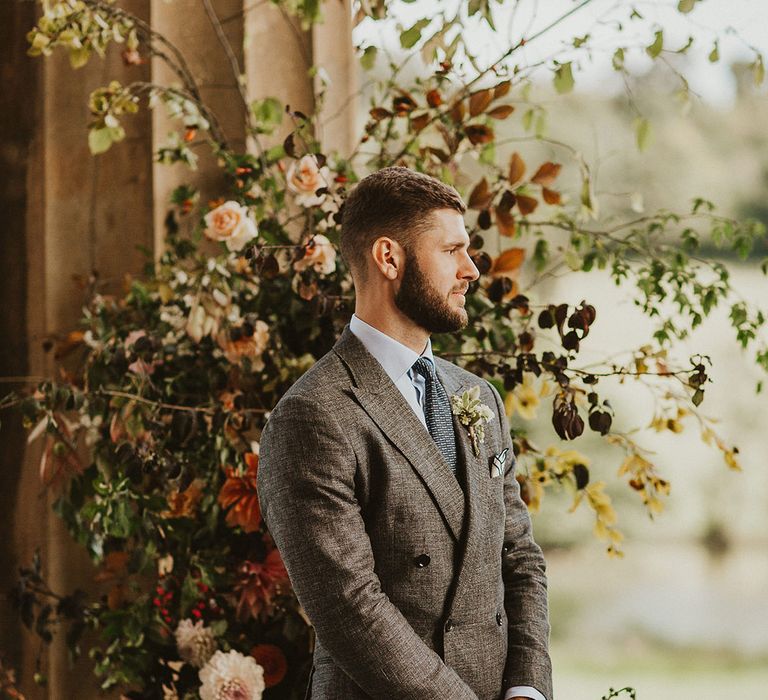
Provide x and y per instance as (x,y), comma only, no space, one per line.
(523,691)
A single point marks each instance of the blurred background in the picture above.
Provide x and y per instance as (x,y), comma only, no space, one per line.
(684,614)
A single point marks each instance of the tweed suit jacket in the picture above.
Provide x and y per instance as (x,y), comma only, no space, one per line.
(419,587)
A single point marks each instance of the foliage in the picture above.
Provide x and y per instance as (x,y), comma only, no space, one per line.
(176,376)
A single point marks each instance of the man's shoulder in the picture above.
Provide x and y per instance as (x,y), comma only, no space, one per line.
(323,384)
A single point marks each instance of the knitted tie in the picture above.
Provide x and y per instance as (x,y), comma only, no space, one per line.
(437,411)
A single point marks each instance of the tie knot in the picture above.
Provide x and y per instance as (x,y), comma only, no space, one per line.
(424,367)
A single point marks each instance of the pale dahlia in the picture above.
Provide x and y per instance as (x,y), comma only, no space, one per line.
(195,642)
(231,676)
(319,254)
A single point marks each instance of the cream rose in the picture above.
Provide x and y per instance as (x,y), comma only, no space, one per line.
(320,255)
(304,178)
(232,224)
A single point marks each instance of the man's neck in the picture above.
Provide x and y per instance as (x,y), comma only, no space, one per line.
(409,334)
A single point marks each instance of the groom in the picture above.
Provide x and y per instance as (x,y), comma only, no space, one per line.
(411,554)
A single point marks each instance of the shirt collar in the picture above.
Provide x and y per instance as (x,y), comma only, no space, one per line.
(394,357)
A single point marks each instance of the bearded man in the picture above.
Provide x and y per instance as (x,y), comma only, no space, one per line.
(404,536)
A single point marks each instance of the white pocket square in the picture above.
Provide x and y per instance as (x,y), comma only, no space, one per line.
(499,460)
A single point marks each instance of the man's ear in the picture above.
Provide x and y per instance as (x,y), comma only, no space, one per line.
(388,257)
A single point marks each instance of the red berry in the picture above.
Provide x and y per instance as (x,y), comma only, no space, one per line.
(197,613)
(156,602)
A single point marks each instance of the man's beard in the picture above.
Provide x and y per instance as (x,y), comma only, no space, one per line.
(422,303)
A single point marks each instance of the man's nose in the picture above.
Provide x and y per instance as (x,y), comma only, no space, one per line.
(469,270)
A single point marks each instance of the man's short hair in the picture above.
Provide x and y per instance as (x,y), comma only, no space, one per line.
(396,202)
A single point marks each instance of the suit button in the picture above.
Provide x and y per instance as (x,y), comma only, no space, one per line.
(499,619)
(422,560)
(449,625)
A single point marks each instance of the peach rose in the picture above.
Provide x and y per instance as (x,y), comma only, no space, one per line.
(304,178)
(320,255)
(230,223)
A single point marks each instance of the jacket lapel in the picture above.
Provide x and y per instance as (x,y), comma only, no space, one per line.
(475,475)
(383,402)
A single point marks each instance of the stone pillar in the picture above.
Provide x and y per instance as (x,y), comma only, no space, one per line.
(187,25)
(85,216)
(333,50)
(68,215)
(18,121)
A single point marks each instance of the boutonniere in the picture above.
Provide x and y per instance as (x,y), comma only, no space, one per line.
(473,414)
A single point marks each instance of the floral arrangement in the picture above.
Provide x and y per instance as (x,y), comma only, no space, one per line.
(151,431)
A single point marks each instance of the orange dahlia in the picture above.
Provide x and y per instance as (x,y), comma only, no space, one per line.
(240,496)
(258,584)
(272,659)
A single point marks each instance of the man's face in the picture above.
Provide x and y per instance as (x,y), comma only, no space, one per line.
(437,275)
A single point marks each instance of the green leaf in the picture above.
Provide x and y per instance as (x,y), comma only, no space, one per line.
(618,59)
(579,41)
(527,120)
(686,6)
(410,37)
(658,44)
(268,113)
(564,78)
(643,133)
(573,259)
(99,140)
(368,59)
(758,70)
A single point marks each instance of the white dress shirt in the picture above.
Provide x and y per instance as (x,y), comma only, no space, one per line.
(397,359)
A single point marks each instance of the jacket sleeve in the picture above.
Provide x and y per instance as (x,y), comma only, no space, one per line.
(525,584)
(306,485)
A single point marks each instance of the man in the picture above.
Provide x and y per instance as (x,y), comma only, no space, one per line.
(413,561)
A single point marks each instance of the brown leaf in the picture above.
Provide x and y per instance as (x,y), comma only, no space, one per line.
(458,111)
(481,196)
(434,98)
(505,222)
(379,113)
(402,104)
(509,261)
(478,101)
(438,153)
(71,342)
(551,196)
(501,112)
(501,89)
(516,169)
(307,291)
(478,133)
(420,121)
(547,174)
(526,205)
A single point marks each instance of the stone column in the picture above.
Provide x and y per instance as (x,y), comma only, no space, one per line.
(69,217)
(187,25)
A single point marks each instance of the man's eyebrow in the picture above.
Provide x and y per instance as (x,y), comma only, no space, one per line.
(455,243)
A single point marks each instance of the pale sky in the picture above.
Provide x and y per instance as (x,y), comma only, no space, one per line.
(710,17)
